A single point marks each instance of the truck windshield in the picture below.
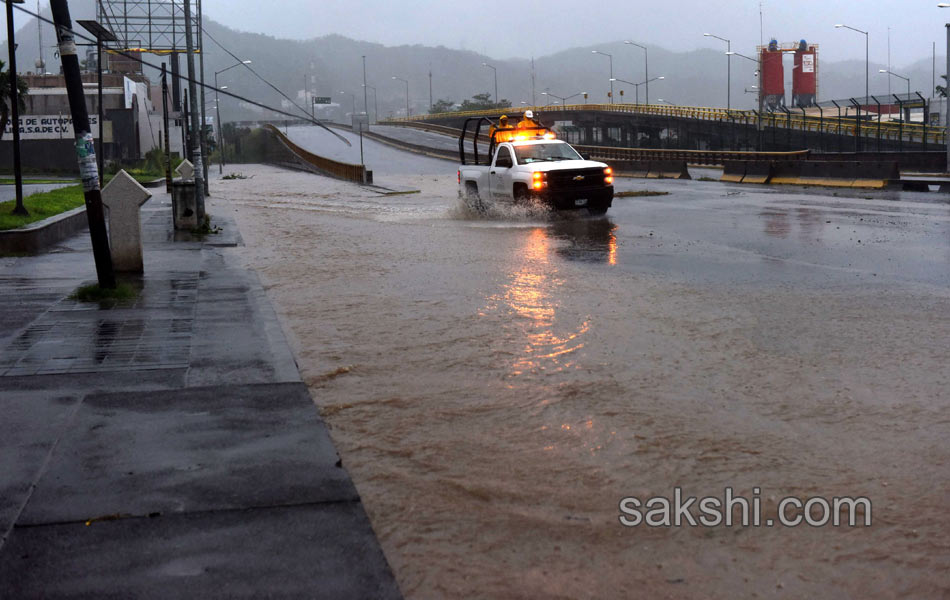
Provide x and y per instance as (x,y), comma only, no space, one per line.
(545,152)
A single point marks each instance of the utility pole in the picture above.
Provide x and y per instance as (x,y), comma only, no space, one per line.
(168,152)
(85,143)
(204,119)
(430,87)
(187,149)
(195,116)
(18,209)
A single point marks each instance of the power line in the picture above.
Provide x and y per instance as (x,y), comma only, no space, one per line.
(256,74)
(185,78)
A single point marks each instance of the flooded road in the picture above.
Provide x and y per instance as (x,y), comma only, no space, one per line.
(497,385)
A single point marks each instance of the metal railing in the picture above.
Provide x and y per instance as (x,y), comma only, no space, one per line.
(910,132)
(610,153)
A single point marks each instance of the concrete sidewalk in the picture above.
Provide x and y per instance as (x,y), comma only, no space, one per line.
(166,447)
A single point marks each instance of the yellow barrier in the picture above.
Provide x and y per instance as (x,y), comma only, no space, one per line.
(830,124)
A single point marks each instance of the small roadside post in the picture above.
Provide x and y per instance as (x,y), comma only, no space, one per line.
(124,197)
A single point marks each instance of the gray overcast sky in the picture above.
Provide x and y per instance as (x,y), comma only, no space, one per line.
(551,25)
(544,27)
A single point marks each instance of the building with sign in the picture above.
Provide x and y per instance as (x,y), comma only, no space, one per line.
(132,123)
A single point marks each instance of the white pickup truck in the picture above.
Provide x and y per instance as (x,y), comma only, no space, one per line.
(526,164)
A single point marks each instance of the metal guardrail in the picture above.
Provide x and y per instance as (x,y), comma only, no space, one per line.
(693,157)
(830,124)
(342,170)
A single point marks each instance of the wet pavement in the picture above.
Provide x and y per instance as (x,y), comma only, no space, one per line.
(151,448)
(496,383)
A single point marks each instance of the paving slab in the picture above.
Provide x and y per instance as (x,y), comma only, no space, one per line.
(321,551)
(187,450)
(176,424)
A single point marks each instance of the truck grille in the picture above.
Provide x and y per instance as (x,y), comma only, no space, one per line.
(576,178)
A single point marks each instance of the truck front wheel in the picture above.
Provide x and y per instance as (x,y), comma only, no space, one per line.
(521,194)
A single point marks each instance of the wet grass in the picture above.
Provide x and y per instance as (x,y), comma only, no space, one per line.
(639,194)
(41,206)
(11,181)
(94,293)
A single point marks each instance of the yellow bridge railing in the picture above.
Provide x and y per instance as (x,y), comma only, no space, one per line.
(911,132)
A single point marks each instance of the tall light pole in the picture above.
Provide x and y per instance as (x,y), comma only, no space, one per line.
(611,57)
(646,66)
(217,109)
(353,98)
(407,93)
(758,114)
(728,68)
(495,71)
(365,105)
(946,125)
(102,35)
(637,85)
(375,105)
(867,60)
(18,209)
(907,79)
(563,99)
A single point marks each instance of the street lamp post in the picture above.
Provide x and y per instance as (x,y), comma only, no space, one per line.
(495,72)
(867,60)
(646,67)
(102,35)
(407,93)
(946,125)
(563,99)
(375,104)
(611,57)
(353,98)
(728,68)
(907,79)
(217,109)
(365,105)
(758,113)
(18,209)
(637,85)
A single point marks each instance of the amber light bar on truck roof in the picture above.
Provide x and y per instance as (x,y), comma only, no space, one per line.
(517,134)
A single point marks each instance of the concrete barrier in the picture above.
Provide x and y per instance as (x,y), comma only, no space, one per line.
(309,161)
(757,171)
(876,175)
(668,169)
(630,168)
(40,235)
(786,172)
(733,171)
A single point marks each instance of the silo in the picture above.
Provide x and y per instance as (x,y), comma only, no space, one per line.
(772,82)
(805,76)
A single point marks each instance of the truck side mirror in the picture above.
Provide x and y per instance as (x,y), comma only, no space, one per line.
(585,156)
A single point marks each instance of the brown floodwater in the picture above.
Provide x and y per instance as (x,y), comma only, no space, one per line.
(496,384)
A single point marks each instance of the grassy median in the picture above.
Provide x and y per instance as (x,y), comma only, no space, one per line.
(41,206)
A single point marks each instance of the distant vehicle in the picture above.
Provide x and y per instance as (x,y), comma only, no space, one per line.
(527,163)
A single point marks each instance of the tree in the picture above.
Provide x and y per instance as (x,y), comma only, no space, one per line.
(22,90)
(483,102)
(942,89)
(442,106)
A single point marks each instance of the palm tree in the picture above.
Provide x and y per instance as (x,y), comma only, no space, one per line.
(22,90)
(942,89)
